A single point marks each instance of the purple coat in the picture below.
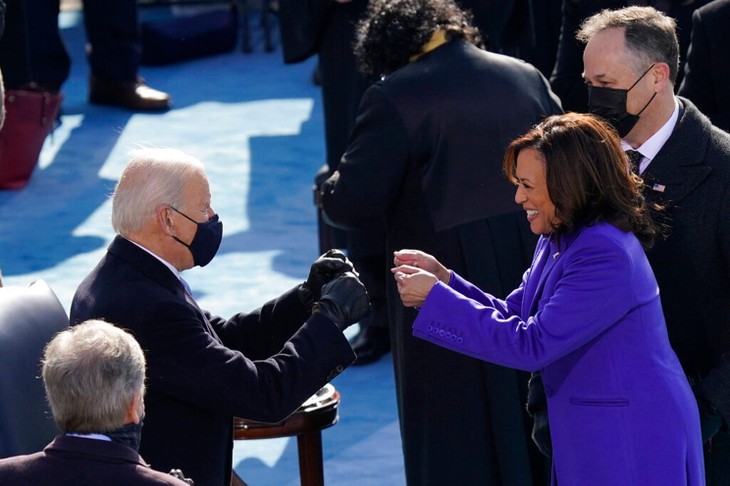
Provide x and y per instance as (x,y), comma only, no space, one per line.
(588,316)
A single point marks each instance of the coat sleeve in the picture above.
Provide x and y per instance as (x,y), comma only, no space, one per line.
(511,305)
(262,332)
(590,295)
(373,166)
(697,82)
(188,363)
(715,387)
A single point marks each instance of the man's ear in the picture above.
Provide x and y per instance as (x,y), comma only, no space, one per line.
(662,81)
(135,410)
(164,219)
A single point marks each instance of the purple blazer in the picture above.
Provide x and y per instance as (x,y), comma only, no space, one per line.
(588,316)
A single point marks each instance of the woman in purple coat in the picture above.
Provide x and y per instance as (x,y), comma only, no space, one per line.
(587,314)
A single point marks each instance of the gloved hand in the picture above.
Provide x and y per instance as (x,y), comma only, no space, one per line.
(344,300)
(537,407)
(541,432)
(325,268)
(711,420)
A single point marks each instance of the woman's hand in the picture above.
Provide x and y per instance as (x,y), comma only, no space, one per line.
(419,259)
(414,284)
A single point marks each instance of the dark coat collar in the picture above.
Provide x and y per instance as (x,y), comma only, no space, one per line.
(146,264)
(680,166)
(94,449)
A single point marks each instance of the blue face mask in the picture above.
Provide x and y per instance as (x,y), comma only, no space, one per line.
(206,241)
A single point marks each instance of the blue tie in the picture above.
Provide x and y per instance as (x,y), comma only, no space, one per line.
(186,287)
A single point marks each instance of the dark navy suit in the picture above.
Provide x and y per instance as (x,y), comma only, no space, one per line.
(77,461)
(690,176)
(204,369)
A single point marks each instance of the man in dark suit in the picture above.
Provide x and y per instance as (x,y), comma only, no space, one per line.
(630,67)
(94,378)
(565,79)
(425,156)
(706,71)
(204,369)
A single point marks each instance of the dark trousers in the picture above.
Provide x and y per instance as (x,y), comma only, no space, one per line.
(32,50)
(717,459)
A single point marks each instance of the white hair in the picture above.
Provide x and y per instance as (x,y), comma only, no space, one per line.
(154,176)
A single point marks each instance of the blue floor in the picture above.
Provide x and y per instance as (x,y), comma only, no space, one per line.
(257,125)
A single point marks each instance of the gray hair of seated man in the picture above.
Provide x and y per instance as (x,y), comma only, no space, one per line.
(91,373)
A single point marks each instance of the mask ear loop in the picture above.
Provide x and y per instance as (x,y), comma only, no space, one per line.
(192,220)
(647,104)
(186,217)
(632,87)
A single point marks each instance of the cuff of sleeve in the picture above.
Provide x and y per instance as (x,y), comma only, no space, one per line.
(451,278)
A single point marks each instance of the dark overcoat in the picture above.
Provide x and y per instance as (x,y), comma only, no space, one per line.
(690,176)
(202,370)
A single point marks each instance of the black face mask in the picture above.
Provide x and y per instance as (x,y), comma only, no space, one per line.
(129,435)
(206,241)
(610,103)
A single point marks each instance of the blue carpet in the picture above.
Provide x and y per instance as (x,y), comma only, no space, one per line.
(257,125)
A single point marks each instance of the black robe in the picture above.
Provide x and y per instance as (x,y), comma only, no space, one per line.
(426,155)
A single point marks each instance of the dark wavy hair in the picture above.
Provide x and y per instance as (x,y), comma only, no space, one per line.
(587,175)
(394,30)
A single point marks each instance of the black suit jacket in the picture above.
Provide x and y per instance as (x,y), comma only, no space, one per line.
(706,72)
(204,369)
(691,176)
(426,155)
(76,461)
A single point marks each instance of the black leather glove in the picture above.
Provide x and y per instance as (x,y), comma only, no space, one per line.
(325,268)
(541,432)
(537,408)
(711,420)
(344,300)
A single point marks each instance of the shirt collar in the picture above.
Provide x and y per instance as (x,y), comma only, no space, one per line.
(437,39)
(90,436)
(164,262)
(654,144)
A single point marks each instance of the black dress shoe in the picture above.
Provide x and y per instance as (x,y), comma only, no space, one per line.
(133,95)
(370,344)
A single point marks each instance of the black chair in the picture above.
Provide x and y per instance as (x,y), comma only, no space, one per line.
(29,318)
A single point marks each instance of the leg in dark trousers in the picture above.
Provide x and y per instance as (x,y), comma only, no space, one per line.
(373,339)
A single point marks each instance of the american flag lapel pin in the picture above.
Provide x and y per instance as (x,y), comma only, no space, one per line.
(659,187)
